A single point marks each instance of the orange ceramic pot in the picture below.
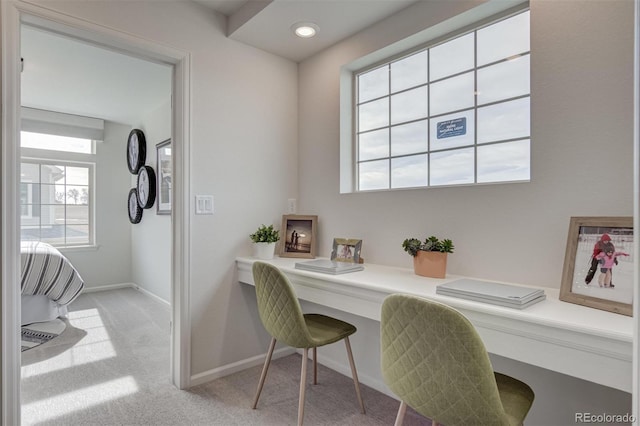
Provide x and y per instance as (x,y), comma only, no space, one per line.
(431,264)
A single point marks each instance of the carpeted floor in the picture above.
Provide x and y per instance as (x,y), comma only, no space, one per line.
(111,366)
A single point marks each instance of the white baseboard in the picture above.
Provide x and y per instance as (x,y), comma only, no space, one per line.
(154,296)
(125,285)
(107,287)
(225,370)
(345,370)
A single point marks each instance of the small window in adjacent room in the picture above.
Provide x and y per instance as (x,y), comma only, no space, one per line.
(56,143)
(56,190)
(457,112)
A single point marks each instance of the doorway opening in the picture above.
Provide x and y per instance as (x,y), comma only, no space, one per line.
(15,16)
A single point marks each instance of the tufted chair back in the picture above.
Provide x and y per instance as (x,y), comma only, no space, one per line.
(435,361)
(279,308)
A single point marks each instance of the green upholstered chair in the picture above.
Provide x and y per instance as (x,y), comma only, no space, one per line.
(435,361)
(282,316)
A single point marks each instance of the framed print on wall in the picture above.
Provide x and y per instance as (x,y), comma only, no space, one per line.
(346,250)
(598,264)
(164,166)
(298,236)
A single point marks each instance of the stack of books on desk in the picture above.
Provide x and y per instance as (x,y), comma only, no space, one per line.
(327,266)
(495,293)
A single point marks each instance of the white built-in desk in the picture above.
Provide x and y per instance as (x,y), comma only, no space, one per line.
(583,342)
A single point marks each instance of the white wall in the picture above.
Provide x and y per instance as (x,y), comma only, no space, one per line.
(243,152)
(582,163)
(151,238)
(111,262)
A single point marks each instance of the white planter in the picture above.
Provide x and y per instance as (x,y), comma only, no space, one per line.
(264,251)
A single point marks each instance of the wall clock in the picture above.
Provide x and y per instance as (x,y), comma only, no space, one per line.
(136,150)
(135,211)
(146,187)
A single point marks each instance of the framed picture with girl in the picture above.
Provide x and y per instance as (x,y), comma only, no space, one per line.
(598,265)
(346,250)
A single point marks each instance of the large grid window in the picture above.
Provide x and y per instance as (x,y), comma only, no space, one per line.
(454,113)
(55,193)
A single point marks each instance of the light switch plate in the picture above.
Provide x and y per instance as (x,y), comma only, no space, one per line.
(204,204)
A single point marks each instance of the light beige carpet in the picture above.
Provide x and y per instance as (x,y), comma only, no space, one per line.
(111,367)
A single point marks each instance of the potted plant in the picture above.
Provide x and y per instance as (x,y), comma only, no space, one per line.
(429,256)
(265,239)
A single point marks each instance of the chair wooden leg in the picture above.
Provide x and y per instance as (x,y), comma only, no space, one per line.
(354,373)
(303,383)
(263,376)
(400,416)
(315,366)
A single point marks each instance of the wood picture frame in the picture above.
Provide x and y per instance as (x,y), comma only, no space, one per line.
(598,264)
(346,250)
(164,166)
(298,234)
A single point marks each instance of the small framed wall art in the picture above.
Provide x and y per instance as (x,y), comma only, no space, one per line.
(133,207)
(146,187)
(164,167)
(298,236)
(136,150)
(346,250)
(598,264)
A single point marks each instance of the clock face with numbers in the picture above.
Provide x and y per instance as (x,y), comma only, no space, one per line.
(136,150)
(146,187)
(135,211)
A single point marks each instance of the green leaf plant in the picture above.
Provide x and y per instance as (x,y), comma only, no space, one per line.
(414,245)
(265,234)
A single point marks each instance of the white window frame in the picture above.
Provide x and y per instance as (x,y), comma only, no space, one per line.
(29,214)
(51,157)
(430,37)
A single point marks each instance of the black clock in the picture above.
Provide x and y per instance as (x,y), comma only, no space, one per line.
(135,211)
(136,150)
(146,187)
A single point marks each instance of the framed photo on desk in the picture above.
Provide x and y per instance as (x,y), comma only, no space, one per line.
(299,236)
(346,250)
(598,264)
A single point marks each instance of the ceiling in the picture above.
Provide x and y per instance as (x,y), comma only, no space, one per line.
(266,24)
(226,7)
(68,75)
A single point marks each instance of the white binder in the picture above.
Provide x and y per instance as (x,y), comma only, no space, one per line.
(491,292)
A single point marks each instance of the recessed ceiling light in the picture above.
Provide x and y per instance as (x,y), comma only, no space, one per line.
(305,29)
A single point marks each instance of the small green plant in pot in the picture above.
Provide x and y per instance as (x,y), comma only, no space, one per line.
(265,239)
(429,256)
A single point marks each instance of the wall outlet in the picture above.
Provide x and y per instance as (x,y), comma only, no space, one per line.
(292,206)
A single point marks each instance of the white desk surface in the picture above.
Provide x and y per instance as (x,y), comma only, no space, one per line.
(579,341)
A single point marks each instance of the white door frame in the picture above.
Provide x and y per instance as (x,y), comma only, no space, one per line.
(12,15)
(635,403)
